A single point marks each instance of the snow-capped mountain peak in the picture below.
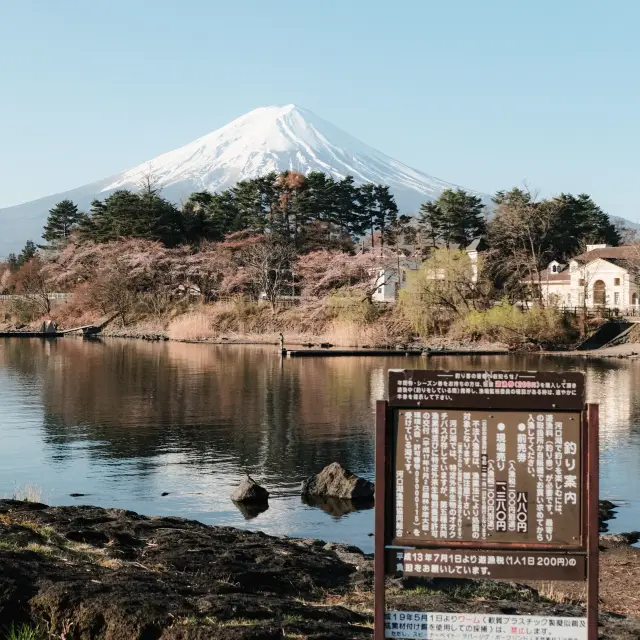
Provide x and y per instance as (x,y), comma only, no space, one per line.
(277,139)
(263,140)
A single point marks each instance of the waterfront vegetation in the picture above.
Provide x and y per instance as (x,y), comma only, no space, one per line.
(304,256)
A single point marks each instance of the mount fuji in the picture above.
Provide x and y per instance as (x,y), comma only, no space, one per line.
(263,140)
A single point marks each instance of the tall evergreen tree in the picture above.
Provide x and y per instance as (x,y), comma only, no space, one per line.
(455,218)
(28,252)
(577,221)
(62,219)
(386,210)
(125,214)
(430,222)
(366,198)
(12,261)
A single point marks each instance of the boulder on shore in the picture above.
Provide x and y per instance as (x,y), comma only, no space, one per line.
(249,491)
(334,481)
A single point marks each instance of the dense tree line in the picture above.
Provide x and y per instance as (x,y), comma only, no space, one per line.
(305,212)
(525,235)
(294,215)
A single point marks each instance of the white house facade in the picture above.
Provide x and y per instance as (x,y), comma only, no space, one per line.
(601,277)
(392,279)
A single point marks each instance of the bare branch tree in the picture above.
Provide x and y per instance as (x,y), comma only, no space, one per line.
(33,285)
(268,265)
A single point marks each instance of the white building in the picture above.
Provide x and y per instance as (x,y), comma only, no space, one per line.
(601,277)
(393,278)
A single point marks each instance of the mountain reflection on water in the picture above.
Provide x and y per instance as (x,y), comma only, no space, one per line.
(127,421)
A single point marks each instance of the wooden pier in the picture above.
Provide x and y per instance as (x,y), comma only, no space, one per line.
(95,328)
(332,353)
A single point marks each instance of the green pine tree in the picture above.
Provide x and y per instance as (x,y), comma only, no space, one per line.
(386,210)
(430,222)
(455,218)
(28,252)
(63,218)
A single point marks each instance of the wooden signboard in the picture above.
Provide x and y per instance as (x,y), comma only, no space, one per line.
(487,475)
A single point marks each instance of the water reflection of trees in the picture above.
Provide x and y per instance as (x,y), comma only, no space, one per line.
(209,403)
(244,406)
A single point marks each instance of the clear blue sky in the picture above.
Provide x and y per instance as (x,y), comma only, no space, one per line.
(484,94)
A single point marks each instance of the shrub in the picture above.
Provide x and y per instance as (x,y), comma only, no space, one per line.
(504,322)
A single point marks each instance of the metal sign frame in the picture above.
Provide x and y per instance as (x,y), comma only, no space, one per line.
(386,434)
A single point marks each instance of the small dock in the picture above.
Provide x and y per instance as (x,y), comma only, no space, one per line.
(95,328)
(332,353)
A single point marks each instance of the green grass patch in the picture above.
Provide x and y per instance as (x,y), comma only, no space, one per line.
(23,632)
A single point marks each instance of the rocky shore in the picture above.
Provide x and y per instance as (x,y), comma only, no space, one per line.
(84,572)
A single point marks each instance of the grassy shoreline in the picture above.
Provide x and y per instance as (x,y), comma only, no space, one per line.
(84,573)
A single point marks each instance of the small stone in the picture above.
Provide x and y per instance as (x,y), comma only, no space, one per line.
(337,482)
(164,493)
(249,491)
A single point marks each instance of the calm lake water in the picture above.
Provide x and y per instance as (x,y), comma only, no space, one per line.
(125,421)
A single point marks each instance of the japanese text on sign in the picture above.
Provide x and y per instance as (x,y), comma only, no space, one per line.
(493,476)
(495,564)
(487,389)
(471,626)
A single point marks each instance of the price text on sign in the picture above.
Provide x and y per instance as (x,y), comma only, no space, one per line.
(488,476)
(471,626)
(495,565)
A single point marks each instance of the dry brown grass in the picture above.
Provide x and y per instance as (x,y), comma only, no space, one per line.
(28,493)
(316,321)
(194,325)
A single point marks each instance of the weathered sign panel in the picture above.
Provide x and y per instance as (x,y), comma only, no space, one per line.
(488,476)
(474,626)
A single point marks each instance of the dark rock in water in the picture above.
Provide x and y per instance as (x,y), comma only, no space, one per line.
(335,481)
(325,345)
(337,507)
(250,491)
(78,495)
(251,510)
(606,511)
(164,493)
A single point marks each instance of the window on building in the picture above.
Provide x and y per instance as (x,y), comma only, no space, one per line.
(581,299)
(582,282)
(568,299)
(616,298)
(616,282)
(379,289)
(554,269)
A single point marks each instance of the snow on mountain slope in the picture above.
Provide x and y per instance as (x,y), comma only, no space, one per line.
(263,140)
(277,139)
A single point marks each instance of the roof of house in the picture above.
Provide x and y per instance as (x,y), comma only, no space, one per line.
(626,253)
(560,277)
